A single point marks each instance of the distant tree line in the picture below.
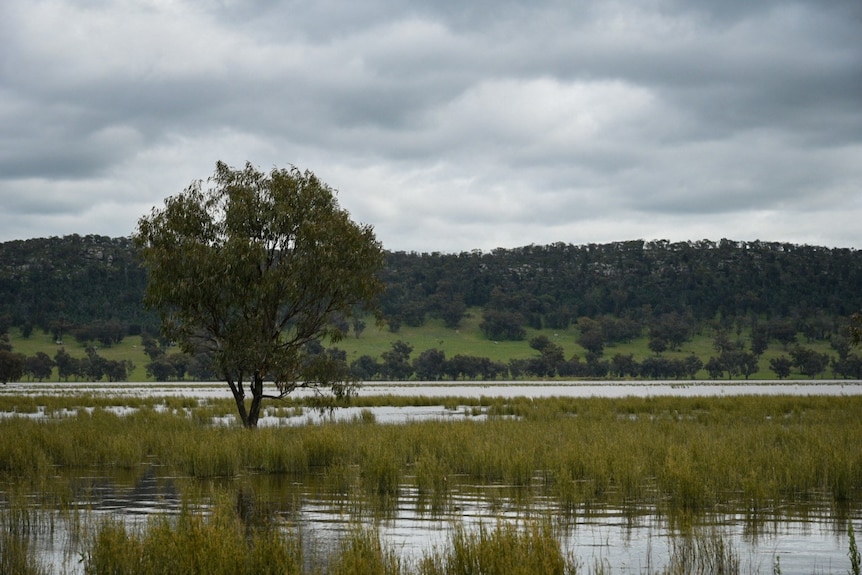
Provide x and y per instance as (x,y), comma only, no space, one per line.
(553,286)
(40,366)
(90,288)
(61,284)
(731,360)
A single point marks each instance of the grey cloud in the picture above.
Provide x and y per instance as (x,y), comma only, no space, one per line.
(444,124)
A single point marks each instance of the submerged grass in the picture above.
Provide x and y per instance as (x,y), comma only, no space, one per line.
(193,543)
(19,526)
(681,453)
(223,543)
(507,549)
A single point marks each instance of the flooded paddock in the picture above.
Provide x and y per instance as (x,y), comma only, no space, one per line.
(628,537)
(497,388)
(635,538)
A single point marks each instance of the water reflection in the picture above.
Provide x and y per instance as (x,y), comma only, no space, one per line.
(323,508)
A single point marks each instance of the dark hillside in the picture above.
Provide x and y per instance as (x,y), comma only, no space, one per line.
(84,279)
(72,280)
(551,286)
(630,309)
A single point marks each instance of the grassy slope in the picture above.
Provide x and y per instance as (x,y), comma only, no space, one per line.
(130,349)
(467,340)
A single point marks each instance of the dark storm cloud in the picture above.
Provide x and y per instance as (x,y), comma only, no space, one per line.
(447,125)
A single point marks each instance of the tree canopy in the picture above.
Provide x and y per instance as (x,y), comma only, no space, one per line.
(252,267)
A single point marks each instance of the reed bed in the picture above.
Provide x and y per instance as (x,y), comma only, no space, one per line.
(225,543)
(19,526)
(682,453)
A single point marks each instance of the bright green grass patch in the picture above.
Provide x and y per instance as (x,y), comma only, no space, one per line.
(467,340)
(130,349)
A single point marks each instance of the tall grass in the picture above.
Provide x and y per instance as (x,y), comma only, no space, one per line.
(193,543)
(507,549)
(363,552)
(221,543)
(20,524)
(704,552)
(681,453)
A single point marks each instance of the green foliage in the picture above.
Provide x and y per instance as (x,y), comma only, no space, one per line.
(252,269)
(58,283)
(11,366)
(53,289)
(503,325)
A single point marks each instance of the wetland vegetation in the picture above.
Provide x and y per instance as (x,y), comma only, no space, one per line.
(539,464)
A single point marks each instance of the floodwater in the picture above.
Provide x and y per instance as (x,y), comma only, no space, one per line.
(636,538)
(497,388)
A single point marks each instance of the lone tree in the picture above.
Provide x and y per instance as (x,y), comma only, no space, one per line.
(251,267)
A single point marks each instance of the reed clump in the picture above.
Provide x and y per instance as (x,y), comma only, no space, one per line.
(506,549)
(363,552)
(20,524)
(703,552)
(193,543)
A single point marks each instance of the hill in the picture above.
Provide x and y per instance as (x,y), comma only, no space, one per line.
(532,310)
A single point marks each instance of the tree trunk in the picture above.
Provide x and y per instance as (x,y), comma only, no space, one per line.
(238,398)
(256,400)
(250,416)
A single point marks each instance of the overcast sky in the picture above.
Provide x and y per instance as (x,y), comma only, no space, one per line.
(447,125)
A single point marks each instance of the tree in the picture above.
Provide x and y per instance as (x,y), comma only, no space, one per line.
(118,370)
(468,366)
(809,362)
(364,367)
(430,365)
(759,340)
(358,326)
(673,328)
(748,363)
(714,367)
(161,369)
(65,364)
(856,328)
(692,364)
(592,340)
(39,366)
(781,366)
(657,345)
(503,325)
(11,366)
(624,365)
(253,266)
(96,365)
(783,331)
(396,361)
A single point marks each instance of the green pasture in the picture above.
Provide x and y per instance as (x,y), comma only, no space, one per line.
(468,339)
